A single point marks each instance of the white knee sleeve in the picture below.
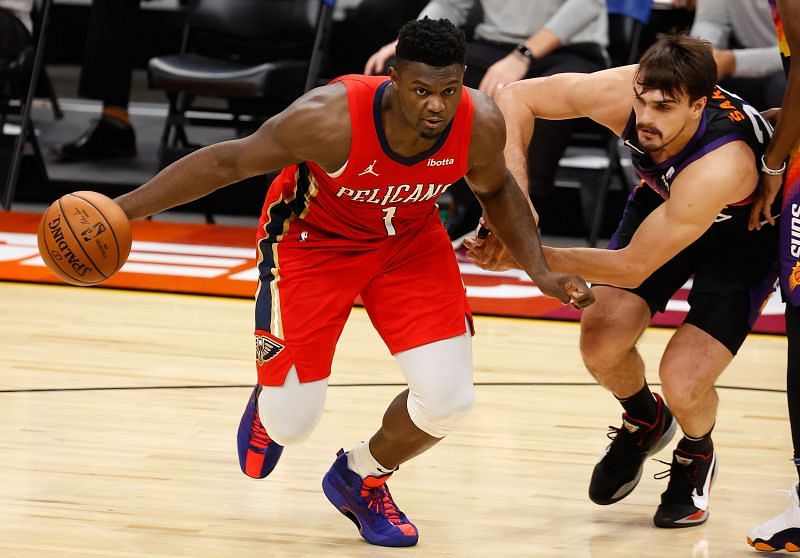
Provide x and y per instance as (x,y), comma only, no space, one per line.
(440,390)
(290,412)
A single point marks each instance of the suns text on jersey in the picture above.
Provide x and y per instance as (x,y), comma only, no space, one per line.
(392,195)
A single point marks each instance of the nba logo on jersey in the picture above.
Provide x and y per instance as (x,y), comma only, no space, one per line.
(266,349)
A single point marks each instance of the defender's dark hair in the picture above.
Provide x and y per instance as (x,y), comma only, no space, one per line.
(435,42)
(678,64)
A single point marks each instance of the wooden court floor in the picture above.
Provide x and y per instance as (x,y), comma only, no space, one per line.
(119,409)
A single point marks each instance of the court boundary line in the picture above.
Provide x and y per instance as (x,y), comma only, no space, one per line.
(351,385)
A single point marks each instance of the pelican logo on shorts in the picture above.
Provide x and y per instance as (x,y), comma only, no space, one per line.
(266,349)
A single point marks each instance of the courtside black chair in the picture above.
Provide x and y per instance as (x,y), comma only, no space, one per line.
(626,18)
(255,55)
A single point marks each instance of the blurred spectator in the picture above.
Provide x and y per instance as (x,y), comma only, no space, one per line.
(21,9)
(366,26)
(520,39)
(106,75)
(667,16)
(745,48)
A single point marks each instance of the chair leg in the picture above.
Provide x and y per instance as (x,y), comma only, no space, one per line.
(37,152)
(602,194)
(51,93)
(182,103)
(13,170)
(16,156)
(623,177)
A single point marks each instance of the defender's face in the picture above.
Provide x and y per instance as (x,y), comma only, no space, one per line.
(660,117)
(428,96)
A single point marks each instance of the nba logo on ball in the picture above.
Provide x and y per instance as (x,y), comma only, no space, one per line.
(84,238)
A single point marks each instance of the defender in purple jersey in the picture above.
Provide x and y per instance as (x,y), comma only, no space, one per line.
(697,150)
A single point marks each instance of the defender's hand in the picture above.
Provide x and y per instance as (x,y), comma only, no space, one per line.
(767,191)
(569,289)
(487,252)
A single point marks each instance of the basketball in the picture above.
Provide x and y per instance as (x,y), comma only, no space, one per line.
(84,238)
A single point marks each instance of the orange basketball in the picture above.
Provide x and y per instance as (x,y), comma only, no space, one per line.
(84,238)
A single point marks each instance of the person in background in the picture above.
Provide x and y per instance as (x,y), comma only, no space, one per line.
(745,48)
(520,39)
(366,26)
(21,9)
(106,73)
(781,166)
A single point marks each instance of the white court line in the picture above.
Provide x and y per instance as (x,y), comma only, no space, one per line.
(152,109)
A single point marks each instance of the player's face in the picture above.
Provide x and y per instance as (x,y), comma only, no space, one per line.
(428,96)
(661,117)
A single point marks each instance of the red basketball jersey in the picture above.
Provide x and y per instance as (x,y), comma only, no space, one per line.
(377,193)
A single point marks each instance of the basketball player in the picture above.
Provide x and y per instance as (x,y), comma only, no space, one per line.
(353,213)
(697,149)
(783,531)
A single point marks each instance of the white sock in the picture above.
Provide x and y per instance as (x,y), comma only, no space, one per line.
(360,460)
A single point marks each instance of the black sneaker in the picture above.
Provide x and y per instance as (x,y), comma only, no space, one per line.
(619,469)
(685,502)
(101,140)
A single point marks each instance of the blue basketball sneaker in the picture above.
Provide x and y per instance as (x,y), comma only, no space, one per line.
(258,453)
(368,503)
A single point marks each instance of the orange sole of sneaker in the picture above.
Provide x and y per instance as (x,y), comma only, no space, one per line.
(764,547)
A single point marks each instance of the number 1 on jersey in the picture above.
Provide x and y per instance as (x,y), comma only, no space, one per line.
(388,215)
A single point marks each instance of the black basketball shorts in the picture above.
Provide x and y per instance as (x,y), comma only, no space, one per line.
(733,270)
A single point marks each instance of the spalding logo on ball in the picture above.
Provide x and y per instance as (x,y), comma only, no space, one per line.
(84,238)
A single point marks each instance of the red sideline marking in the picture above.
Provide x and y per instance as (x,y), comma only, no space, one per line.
(220,260)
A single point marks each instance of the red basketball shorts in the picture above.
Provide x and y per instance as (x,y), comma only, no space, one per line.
(409,284)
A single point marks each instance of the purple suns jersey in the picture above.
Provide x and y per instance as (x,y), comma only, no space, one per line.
(726,118)
(789,225)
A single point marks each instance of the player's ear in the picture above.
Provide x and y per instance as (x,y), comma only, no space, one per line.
(394,75)
(698,106)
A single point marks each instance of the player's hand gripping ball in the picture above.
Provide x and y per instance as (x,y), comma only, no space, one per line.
(84,238)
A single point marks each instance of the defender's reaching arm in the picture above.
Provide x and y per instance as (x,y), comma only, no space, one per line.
(507,208)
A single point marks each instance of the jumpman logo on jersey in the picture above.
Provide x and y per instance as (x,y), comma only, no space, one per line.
(369,169)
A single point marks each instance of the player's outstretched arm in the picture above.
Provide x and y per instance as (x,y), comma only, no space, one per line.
(606,97)
(727,175)
(313,128)
(508,210)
